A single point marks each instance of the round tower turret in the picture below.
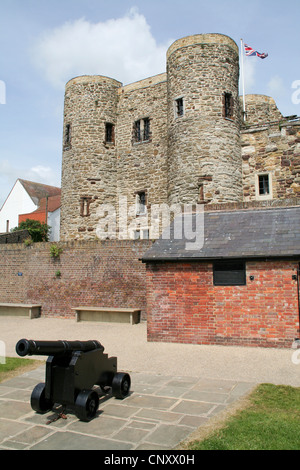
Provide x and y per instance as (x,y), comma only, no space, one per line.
(89,155)
(204,157)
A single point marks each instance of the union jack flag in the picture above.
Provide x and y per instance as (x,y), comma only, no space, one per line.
(251,52)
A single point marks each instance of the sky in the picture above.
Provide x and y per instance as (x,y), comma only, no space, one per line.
(44,44)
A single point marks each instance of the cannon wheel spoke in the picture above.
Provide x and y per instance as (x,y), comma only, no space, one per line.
(121,385)
(86,405)
(39,403)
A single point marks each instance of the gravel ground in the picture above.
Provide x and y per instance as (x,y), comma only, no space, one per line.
(135,354)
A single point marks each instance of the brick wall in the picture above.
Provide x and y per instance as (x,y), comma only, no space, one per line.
(184,306)
(107,274)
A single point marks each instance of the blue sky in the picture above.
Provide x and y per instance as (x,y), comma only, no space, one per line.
(44,44)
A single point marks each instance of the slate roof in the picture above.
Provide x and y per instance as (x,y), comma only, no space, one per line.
(236,234)
(38,191)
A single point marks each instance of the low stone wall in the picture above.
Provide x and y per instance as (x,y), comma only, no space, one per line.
(14,237)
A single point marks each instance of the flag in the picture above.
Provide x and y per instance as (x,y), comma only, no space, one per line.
(251,52)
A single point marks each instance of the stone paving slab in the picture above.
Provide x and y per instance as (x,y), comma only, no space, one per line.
(160,412)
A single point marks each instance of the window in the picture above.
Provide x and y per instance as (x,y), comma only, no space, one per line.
(146,129)
(109,133)
(263,185)
(85,206)
(228,105)
(141,130)
(141,234)
(179,107)
(141,203)
(200,193)
(68,135)
(229,273)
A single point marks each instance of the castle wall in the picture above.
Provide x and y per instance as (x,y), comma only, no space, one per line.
(174,138)
(142,165)
(272,150)
(261,109)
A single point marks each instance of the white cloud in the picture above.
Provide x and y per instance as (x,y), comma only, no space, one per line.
(41,174)
(122,48)
(276,86)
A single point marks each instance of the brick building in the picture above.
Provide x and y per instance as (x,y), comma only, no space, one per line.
(240,287)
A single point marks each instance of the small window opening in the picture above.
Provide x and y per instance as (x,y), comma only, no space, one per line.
(68,134)
(201,192)
(141,207)
(109,133)
(146,129)
(228,105)
(85,206)
(229,273)
(141,234)
(179,107)
(263,185)
(141,130)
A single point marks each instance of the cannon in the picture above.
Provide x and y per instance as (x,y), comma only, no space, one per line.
(73,369)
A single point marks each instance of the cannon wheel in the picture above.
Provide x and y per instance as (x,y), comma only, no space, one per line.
(121,385)
(86,405)
(39,403)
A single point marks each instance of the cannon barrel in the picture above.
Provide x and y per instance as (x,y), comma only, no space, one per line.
(26,347)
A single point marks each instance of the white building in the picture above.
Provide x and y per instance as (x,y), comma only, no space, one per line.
(29,200)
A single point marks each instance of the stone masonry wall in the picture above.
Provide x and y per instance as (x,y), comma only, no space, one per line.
(89,163)
(204,145)
(142,166)
(107,274)
(272,149)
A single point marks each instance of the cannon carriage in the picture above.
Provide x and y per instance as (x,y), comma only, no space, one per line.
(73,369)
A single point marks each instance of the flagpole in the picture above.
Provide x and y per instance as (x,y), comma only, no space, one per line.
(243,79)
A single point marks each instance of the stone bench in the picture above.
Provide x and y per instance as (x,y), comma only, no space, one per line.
(20,310)
(102,314)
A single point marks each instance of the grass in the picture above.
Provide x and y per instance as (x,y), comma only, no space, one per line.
(15,366)
(270,420)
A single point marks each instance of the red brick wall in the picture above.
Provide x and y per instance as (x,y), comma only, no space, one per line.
(39,216)
(107,274)
(184,306)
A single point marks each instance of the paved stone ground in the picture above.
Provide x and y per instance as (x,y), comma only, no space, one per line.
(176,388)
(160,412)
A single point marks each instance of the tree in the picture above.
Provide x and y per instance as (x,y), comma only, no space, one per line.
(39,231)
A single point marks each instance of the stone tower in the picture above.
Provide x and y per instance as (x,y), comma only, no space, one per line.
(169,139)
(204,149)
(89,152)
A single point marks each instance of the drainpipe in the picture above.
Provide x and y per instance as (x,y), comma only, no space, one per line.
(46,215)
(298,273)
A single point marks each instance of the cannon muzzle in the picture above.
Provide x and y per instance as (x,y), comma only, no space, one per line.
(26,347)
